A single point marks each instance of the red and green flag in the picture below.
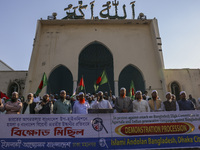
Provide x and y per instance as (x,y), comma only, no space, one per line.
(43,83)
(2,95)
(132,90)
(101,80)
(81,84)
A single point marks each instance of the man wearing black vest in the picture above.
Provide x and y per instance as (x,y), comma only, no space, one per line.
(169,104)
(44,107)
(29,105)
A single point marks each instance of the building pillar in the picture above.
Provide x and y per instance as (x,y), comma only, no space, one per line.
(116,88)
(74,85)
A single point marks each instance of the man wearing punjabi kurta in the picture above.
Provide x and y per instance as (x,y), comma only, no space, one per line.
(123,104)
(155,104)
(101,103)
(81,106)
(140,105)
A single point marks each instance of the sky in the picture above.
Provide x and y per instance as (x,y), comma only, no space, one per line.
(178,21)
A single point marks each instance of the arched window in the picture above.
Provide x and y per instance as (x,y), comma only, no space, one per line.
(128,74)
(60,79)
(93,59)
(175,89)
(13,87)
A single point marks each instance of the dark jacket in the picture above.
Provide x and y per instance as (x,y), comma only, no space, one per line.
(31,107)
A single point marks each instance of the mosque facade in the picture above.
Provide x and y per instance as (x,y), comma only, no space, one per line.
(127,49)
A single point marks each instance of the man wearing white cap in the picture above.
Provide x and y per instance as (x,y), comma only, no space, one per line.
(155,104)
(140,105)
(101,103)
(123,104)
(29,105)
(81,106)
(169,104)
(185,104)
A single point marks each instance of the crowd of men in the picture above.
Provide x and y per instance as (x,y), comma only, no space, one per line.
(80,103)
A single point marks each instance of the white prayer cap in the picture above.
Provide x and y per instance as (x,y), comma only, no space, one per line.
(168,93)
(100,92)
(182,92)
(81,93)
(30,94)
(154,91)
(123,89)
(62,91)
(45,95)
(138,92)
(15,93)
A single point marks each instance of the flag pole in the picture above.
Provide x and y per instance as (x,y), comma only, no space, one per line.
(108,80)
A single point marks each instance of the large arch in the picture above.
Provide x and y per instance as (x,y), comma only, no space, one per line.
(175,89)
(93,59)
(129,73)
(60,79)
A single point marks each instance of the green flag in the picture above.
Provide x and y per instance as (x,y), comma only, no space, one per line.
(132,90)
(43,83)
(101,80)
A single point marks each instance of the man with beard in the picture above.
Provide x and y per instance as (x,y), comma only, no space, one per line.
(29,105)
(155,104)
(62,106)
(185,104)
(123,104)
(14,106)
(140,105)
(81,106)
(101,103)
(44,107)
(169,104)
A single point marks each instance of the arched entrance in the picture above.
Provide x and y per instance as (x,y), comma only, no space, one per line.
(60,79)
(131,73)
(13,87)
(93,59)
(175,88)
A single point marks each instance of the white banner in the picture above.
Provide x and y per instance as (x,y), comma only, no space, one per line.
(110,131)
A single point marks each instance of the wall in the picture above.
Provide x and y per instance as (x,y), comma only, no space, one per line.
(130,42)
(8,77)
(188,79)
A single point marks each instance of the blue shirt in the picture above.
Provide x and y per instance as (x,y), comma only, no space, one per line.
(185,105)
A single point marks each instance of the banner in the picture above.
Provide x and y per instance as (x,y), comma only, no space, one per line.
(155,130)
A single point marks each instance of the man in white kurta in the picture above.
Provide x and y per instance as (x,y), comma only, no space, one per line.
(140,105)
(81,106)
(101,103)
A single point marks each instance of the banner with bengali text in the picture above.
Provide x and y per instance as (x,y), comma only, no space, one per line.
(155,130)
